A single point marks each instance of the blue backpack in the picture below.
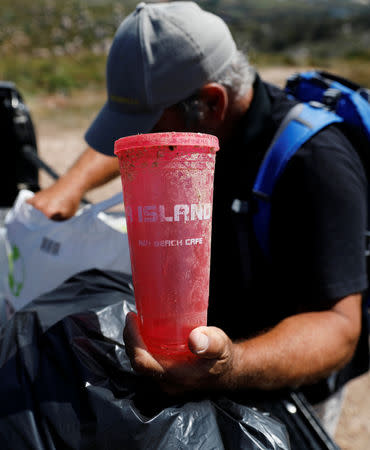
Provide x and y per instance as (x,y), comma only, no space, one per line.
(326,99)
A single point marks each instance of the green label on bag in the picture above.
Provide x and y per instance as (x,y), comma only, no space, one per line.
(15,258)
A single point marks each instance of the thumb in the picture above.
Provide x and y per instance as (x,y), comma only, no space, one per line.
(209,343)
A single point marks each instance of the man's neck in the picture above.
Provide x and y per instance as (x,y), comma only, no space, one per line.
(237,109)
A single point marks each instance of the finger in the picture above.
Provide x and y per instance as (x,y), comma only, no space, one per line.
(131,332)
(57,217)
(45,209)
(36,203)
(30,201)
(209,343)
(141,360)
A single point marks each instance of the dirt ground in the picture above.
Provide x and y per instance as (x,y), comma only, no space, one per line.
(60,123)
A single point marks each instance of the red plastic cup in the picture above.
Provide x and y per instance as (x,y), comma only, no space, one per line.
(167,181)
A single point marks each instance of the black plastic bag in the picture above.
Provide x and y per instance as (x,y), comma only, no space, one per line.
(66,383)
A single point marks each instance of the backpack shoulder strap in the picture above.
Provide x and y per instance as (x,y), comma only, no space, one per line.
(302,122)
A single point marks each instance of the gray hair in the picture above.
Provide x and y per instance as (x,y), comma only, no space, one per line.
(237,78)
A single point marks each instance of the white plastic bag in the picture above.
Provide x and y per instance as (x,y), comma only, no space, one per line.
(43,253)
(5,306)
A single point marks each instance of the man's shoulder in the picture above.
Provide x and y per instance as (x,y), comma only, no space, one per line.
(335,136)
(280,102)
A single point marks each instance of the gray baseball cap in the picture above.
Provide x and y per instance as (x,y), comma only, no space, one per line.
(161,54)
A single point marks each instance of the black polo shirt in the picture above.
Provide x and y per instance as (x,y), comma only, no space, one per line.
(318,220)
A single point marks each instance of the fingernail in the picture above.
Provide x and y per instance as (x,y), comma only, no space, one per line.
(202,343)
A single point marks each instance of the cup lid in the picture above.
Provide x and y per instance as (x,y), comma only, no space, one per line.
(149,140)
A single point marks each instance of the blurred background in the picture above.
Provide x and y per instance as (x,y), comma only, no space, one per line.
(55,52)
(61,45)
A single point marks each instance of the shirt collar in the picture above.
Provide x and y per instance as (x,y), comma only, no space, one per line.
(243,154)
(258,116)
(257,131)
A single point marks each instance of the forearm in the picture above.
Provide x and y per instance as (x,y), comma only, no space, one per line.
(300,350)
(92,169)
(61,200)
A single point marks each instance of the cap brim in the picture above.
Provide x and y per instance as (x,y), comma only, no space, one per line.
(110,125)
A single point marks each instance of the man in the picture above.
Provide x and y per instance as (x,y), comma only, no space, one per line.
(292,321)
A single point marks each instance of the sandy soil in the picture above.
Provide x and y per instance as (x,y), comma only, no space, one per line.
(60,123)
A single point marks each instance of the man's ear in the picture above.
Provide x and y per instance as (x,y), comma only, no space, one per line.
(215,100)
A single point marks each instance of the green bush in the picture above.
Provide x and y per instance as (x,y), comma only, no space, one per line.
(55,73)
(58,46)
